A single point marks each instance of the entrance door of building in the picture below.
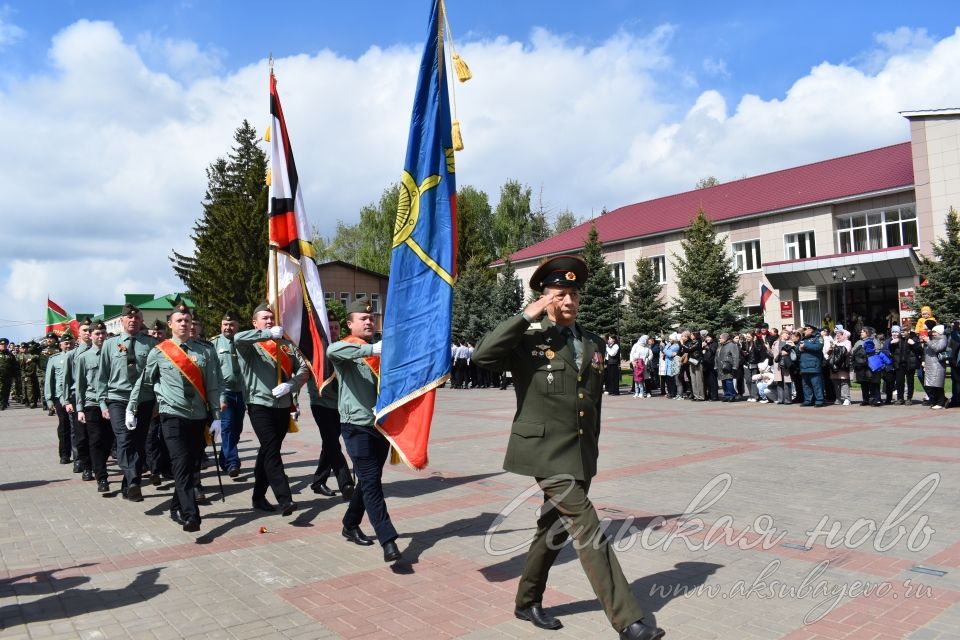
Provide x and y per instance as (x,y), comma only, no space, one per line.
(868,304)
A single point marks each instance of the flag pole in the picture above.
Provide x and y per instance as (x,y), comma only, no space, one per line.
(276,305)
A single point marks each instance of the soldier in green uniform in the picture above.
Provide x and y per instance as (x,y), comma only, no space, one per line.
(259,353)
(29,374)
(48,349)
(557,371)
(55,365)
(9,370)
(185,376)
(17,351)
(122,359)
(67,394)
(99,434)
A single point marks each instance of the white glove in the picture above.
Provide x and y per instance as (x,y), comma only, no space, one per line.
(282,389)
(131,421)
(276,332)
(215,429)
(377,346)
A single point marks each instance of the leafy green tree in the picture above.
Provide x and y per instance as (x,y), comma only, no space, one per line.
(646,312)
(564,221)
(229,264)
(472,311)
(942,291)
(709,181)
(368,243)
(706,280)
(599,298)
(512,221)
(474,227)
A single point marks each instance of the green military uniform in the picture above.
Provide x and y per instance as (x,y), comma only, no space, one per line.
(55,364)
(29,374)
(98,432)
(558,378)
(258,370)
(18,378)
(9,369)
(47,351)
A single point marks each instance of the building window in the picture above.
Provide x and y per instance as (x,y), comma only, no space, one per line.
(659,264)
(619,273)
(746,256)
(881,229)
(375,302)
(797,246)
(329,296)
(345,298)
(359,296)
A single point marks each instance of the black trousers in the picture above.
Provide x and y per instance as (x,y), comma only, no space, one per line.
(270,424)
(612,379)
(368,449)
(100,439)
(81,442)
(158,455)
(870,391)
(185,441)
(131,445)
(64,441)
(710,383)
(331,460)
(903,383)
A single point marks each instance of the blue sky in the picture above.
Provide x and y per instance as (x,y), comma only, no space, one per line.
(115,109)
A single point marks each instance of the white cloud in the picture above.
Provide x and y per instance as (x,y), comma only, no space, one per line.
(716,67)
(9,32)
(902,41)
(112,144)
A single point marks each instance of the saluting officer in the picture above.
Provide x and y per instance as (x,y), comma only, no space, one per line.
(557,369)
(99,434)
(184,374)
(122,359)
(260,351)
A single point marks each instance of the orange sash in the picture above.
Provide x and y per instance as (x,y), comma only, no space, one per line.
(187,367)
(270,348)
(372,361)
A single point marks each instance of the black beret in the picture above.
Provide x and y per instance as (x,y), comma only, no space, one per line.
(53,336)
(360,306)
(560,271)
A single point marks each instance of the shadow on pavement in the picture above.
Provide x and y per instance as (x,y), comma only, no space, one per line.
(28,484)
(66,601)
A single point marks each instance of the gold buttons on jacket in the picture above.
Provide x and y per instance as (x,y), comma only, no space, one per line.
(581,431)
(581,414)
(580,395)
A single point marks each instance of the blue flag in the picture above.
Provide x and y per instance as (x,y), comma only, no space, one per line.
(416,328)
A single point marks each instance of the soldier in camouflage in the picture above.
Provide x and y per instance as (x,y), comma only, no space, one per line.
(29,374)
(8,372)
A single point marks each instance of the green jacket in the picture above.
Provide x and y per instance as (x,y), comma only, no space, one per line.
(259,371)
(67,382)
(88,378)
(175,394)
(116,376)
(54,365)
(357,395)
(556,428)
(229,364)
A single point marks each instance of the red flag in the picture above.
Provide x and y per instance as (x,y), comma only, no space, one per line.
(59,320)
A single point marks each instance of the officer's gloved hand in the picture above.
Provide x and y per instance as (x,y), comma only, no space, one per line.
(377,346)
(282,389)
(130,420)
(276,332)
(215,429)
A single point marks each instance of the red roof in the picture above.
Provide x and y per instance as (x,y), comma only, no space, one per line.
(854,175)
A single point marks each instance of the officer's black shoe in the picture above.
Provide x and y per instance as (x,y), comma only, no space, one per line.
(288,508)
(356,536)
(390,552)
(155,479)
(200,496)
(87,475)
(322,489)
(176,516)
(540,618)
(77,468)
(261,504)
(191,525)
(347,491)
(233,472)
(134,494)
(639,630)
(64,460)
(103,486)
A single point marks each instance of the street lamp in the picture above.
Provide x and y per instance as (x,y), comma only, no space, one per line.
(843,275)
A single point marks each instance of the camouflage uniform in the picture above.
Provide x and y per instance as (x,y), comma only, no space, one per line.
(48,352)
(29,366)
(18,378)
(8,371)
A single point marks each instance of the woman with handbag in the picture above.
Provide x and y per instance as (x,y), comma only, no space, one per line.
(935,357)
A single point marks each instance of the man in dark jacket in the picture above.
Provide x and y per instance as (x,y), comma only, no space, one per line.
(726,365)
(905,352)
(811,366)
(557,368)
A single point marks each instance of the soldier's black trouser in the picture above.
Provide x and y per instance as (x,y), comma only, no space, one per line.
(158,456)
(567,510)
(331,460)
(81,442)
(270,424)
(6,382)
(65,444)
(368,449)
(185,441)
(131,445)
(100,439)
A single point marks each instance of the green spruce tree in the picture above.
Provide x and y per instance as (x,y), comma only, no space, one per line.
(706,280)
(472,311)
(508,296)
(645,312)
(228,267)
(942,273)
(599,298)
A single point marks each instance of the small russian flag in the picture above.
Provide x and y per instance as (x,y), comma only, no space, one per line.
(765,294)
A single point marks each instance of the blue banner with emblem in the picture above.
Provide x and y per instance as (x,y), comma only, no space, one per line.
(415,359)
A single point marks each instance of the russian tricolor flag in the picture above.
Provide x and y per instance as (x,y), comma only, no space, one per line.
(765,294)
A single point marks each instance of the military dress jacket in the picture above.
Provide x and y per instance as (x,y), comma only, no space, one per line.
(556,428)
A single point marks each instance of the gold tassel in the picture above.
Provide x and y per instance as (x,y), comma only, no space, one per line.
(266,135)
(457,138)
(207,436)
(463,71)
(394,456)
(269,177)
(292,427)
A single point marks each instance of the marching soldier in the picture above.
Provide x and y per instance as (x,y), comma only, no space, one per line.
(67,394)
(231,418)
(9,371)
(557,371)
(259,352)
(48,349)
(357,363)
(18,352)
(29,374)
(122,359)
(99,434)
(185,376)
(55,365)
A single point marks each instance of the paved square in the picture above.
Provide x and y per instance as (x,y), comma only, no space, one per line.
(742,560)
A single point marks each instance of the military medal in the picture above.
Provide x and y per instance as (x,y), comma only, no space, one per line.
(549,353)
(550,378)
